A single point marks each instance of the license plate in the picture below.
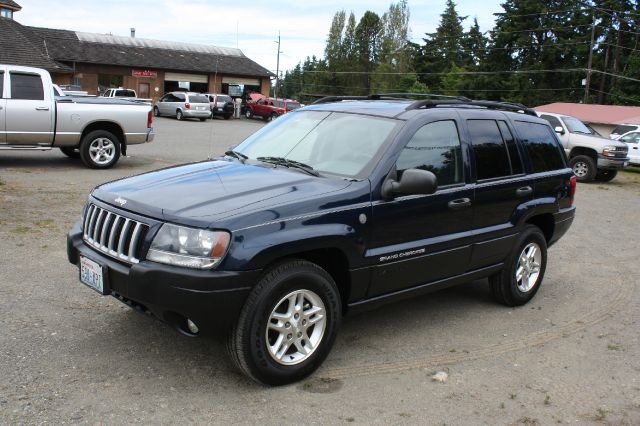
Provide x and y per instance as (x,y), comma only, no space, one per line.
(92,274)
(201,108)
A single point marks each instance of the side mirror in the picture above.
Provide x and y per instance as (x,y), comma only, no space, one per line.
(413,181)
(559,130)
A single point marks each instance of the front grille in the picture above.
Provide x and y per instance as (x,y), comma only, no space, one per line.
(112,234)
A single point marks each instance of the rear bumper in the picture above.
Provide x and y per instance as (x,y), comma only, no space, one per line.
(138,138)
(189,113)
(562,222)
(612,163)
(211,299)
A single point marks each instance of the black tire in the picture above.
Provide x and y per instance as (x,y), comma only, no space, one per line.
(273,116)
(606,175)
(227,116)
(584,167)
(156,112)
(203,119)
(248,341)
(179,115)
(70,151)
(91,140)
(504,285)
(248,113)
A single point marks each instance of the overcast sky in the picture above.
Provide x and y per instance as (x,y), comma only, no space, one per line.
(250,25)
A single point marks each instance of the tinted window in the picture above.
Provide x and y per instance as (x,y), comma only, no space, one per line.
(512,148)
(198,99)
(434,147)
(623,129)
(223,98)
(631,138)
(552,120)
(1,84)
(490,151)
(126,93)
(542,146)
(178,97)
(26,86)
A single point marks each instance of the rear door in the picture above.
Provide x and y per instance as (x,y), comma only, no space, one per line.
(29,110)
(3,106)
(501,187)
(418,239)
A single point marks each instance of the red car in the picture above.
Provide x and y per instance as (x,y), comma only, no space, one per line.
(270,108)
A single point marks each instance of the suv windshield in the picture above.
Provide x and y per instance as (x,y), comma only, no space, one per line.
(223,98)
(576,126)
(293,105)
(198,99)
(335,143)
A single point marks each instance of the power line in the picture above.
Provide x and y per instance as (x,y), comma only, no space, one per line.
(440,89)
(623,77)
(560,70)
(618,96)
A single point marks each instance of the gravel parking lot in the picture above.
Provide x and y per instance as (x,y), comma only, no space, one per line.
(68,355)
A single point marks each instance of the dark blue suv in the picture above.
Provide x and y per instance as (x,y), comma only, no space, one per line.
(334,208)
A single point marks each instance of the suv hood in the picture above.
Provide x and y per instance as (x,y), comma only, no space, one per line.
(595,140)
(202,193)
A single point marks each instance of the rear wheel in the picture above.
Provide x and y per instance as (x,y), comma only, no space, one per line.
(606,175)
(524,270)
(100,149)
(70,151)
(288,324)
(203,119)
(584,167)
(248,113)
(274,115)
(179,115)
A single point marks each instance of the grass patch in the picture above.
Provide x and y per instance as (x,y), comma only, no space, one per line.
(21,230)
(46,223)
(601,414)
(547,400)
(614,347)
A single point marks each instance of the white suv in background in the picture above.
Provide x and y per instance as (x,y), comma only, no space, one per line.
(590,155)
(624,129)
(632,139)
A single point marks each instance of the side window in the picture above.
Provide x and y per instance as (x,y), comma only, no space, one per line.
(1,84)
(179,97)
(26,86)
(541,144)
(554,121)
(492,160)
(434,147)
(631,138)
(512,148)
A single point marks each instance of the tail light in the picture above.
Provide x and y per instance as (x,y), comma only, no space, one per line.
(149,119)
(572,191)
(187,105)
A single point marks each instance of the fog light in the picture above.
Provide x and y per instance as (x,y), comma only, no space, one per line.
(192,326)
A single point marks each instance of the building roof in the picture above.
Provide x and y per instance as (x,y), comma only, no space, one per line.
(10,4)
(593,113)
(20,47)
(51,49)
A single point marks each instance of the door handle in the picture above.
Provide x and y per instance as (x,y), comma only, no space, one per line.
(524,191)
(42,108)
(458,204)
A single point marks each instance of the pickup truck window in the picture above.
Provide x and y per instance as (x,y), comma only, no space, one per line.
(26,86)
(434,147)
(542,146)
(492,160)
(125,93)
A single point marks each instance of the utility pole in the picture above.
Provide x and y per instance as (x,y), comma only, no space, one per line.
(275,91)
(589,63)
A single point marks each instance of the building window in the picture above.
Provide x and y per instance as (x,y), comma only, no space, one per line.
(6,13)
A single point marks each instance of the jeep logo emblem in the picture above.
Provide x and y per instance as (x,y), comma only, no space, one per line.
(120,201)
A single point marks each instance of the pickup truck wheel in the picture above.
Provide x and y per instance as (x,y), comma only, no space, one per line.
(584,167)
(70,151)
(248,113)
(606,175)
(288,324)
(156,112)
(179,115)
(99,149)
(524,270)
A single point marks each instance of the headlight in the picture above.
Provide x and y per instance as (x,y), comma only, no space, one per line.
(188,247)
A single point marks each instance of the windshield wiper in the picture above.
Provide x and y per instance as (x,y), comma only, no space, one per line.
(235,154)
(281,161)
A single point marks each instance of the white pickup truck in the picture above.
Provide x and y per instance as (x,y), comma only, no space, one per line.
(97,130)
(121,93)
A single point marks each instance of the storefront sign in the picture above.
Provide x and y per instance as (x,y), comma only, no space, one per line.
(145,73)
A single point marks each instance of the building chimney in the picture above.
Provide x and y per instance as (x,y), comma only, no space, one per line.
(133,32)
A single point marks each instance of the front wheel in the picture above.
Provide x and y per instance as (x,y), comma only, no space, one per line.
(274,115)
(248,113)
(100,149)
(288,324)
(179,115)
(524,270)
(606,175)
(584,167)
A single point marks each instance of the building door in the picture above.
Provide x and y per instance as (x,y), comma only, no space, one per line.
(144,90)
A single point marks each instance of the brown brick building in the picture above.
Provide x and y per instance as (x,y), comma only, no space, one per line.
(151,67)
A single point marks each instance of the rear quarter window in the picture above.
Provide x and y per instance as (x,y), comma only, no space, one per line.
(198,99)
(542,146)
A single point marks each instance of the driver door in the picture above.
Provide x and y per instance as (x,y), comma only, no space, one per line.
(418,239)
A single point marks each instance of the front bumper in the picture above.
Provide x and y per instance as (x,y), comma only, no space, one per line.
(610,163)
(211,299)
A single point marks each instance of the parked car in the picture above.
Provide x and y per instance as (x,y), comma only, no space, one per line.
(221,104)
(330,210)
(94,129)
(66,90)
(632,139)
(622,129)
(590,155)
(183,105)
(270,108)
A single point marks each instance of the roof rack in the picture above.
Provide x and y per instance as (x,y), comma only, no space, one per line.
(505,106)
(383,96)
